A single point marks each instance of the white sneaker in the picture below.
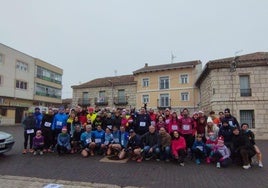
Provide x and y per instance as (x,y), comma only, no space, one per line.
(35,153)
(41,153)
(181,164)
(246,166)
(260,164)
(218,165)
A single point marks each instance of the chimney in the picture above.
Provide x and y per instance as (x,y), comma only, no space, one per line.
(146,65)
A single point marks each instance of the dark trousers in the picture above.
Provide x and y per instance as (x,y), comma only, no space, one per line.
(61,149)
(48,137)
(41,147)
(217,156)
(199,154)
(181,154)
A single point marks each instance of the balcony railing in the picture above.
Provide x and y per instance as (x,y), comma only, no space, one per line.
(84,101)
(245,92)
(101,101)
(121,100)
(163,104)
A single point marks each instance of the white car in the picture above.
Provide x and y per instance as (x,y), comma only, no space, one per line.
(6,142)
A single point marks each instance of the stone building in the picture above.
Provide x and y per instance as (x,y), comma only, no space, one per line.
(240,84)
(115,92)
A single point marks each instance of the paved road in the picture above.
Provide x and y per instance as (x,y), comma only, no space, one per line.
(145,174)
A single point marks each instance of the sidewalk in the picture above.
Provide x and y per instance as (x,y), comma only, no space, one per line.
(22,182)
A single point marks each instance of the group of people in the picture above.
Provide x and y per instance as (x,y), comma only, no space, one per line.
(142,135)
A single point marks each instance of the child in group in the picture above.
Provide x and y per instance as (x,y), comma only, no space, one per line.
(38,143)
(199,149)
(210,144)
(63,142)
(221,154)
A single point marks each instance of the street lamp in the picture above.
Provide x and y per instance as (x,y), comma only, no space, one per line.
(112,84)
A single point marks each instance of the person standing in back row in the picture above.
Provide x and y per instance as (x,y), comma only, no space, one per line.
(29,131)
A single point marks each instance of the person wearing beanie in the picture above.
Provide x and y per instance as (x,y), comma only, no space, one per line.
(221,154)
(38,143)
(211,127)
(63,142)
(230,119)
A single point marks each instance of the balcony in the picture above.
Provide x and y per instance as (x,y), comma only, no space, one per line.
(84,101)
(245,92)
(121,100)
(163,104)
(101,101)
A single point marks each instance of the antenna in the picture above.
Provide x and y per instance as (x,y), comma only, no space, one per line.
(172,57)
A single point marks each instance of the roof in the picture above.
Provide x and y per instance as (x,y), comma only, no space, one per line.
(247,60)
(107,82)
(146,68)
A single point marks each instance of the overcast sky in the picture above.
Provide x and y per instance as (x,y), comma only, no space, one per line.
(89,39)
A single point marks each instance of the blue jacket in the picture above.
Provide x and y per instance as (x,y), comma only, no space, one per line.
(199,145)
(38,116)
(59,121)
(64,140)
(86,138)
(99,136)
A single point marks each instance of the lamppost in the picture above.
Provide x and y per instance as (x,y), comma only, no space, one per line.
(112,84)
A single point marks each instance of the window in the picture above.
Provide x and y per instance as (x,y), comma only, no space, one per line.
(247,116)
(1,58)
(1,80)
(164,100)
(185,96)
(101,96)
(145,82)
(164,82)
(121,96)
(43,90)
(245,90)
(21,85)
(48,75)
(85,98)
(22,66)
(145,99)
(184,79)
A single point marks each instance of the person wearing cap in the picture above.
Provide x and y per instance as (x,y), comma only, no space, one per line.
(38,143)
(242,149)
(63,142)
(29,124)
(134,147)
(91,114)
(221,154)
(230,119)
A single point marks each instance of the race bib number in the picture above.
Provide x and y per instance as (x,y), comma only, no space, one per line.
(88,140)
(174,127)
(200,148)
(97,140)
(30,131)
(142,124)
(167,121)
(186,127)
(59,123)
(47,124)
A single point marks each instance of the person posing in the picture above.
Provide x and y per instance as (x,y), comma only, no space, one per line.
(38,143)
(164,141)
(211,127)
(187,129)
(99,137)
(38,116)
(211,142)
(108,139)
(160,123)
(178,147)
(173,123)
(199,149)
(251,136)
(97,122)
(230,119)
(242,149)
(29,131)
(59,121)
(75,139)
(46,127)
(226,132)
(63,142)
(87,140)
(221,154)
(150,141)
(134,147)
(143,121)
